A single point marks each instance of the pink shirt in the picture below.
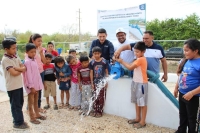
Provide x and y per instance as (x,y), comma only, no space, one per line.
(74,77)
(31,77)
(38,60)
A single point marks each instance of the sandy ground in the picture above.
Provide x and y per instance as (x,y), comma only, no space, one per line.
(65,121)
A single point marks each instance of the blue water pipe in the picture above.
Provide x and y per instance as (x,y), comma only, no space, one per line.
(154,78)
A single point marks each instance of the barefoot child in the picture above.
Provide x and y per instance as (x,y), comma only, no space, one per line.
(32,83)
(139,87)
(63,73)
(75,93)
(49,81)
(84,84)
(12,68)
(98,71)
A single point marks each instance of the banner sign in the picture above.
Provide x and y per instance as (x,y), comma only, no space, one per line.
(132,20)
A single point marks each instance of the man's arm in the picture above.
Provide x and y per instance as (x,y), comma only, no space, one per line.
(92,45)
(164,66)
(122,48)
(111,51)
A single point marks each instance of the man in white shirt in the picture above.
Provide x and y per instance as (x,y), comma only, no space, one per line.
(127,55)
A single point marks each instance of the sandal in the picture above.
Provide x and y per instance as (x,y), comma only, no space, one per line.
(61,106)
(71,108)
(47,106)
(93,114)
(41,117)
(98,115)
(132,121)
(66,106)
(42,110)
(35,121)
(138,125)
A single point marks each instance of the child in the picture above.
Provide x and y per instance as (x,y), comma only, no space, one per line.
(50,50)
(139,86)
(63,73)
(188,87)
(74,92)
(84,83)
(12,69)
(73,53)
(98,71)
(36,39)
(49,81)
(33,83)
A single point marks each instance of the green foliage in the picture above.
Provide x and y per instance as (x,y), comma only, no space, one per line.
(175,29)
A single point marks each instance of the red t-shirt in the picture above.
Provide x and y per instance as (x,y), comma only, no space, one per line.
(49,72)
(85,75)
(74,77)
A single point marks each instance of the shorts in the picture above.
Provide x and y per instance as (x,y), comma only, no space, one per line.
(64,86)
(51,88)
(139,93)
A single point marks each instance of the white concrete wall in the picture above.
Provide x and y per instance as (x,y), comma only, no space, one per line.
(160,109)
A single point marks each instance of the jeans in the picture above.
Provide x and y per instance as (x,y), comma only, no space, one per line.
(16,103)
(188,114)
(109,66)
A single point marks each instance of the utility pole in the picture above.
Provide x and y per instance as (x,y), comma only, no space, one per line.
(79,27)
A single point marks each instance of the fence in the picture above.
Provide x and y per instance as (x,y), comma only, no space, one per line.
(166,44)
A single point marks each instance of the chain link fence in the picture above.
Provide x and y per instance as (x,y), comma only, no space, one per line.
(84,46)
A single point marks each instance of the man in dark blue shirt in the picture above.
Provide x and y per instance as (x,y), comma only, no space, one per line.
(105,45)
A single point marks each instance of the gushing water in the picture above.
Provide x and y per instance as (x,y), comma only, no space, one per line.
(102,83)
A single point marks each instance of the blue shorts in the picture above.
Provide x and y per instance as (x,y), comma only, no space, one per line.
(65,85)
(42,76)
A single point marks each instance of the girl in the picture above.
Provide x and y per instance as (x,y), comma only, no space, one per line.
(188,86)
(36,39)
(33,84)
(50,50)
(75,91)
(63,73)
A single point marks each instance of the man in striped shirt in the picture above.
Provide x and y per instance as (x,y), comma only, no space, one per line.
(154,54)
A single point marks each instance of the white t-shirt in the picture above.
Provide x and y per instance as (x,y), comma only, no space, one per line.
(127,55)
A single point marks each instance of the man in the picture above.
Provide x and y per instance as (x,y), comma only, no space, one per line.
(127,55)
(105,45)
(154,54)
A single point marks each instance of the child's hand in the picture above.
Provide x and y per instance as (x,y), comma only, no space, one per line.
(61,74)
(17,69)
(33,91)
(80,87)
(68,78)
(106,86)
(21,65)
(119,60)
(175,92)
(45,87)
(188,96)
(92,86)
(40,49)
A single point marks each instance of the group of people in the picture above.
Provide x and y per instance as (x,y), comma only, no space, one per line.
(80,78)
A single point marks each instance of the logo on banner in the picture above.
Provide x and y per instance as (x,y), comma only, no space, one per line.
(142,7)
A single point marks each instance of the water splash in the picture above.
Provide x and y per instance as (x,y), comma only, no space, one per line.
(102,83)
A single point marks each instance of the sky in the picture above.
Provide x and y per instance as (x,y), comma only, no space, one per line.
(51,16)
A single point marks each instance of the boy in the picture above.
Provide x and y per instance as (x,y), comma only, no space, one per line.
(12,68)
(73,53)
(84,83)
(49,81)
(139,86)
(50,50)
(98,71)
